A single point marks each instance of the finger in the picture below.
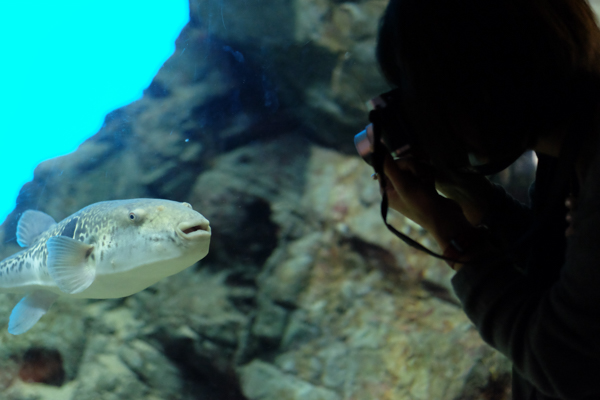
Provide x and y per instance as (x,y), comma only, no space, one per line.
(407,172)
(395,173)
(424,171)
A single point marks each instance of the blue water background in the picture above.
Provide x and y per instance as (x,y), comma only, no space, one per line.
(65,65)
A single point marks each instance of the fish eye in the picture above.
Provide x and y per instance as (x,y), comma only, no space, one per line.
(136,215)
(188,205)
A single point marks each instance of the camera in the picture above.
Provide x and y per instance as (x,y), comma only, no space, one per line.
(386,116)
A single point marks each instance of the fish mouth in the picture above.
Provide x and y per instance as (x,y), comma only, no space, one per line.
(193,229)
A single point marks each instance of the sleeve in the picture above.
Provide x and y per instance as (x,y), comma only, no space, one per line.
(510,219)
(508,222)
(551,333)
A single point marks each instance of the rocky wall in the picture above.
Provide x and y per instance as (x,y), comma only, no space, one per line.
(304,294)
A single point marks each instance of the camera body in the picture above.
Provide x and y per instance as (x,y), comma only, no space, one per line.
(386,116)
(396,136)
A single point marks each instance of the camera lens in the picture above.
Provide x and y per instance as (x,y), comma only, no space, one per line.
(363,141)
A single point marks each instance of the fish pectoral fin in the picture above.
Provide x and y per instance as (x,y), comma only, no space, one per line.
(70,265)
(29,310)
(31,225)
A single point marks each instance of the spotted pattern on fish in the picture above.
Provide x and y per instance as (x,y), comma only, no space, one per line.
(92,225)
(107,250)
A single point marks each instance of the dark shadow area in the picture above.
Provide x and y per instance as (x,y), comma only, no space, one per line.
(42,365)
(202,378)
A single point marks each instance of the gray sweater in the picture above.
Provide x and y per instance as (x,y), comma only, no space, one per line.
(541,307)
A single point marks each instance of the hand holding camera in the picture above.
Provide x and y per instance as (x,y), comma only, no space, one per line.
(410,183)
(411,191)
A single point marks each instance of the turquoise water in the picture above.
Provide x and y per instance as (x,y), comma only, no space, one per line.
(76,59)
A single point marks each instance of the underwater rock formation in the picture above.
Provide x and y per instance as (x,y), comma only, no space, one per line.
(304,294)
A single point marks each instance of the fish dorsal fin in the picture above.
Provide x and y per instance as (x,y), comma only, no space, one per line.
(70,264)
(29,310)
(31,225)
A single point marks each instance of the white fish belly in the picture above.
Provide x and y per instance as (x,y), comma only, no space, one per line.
(125,283)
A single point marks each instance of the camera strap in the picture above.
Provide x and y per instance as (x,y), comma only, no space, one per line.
(379,152)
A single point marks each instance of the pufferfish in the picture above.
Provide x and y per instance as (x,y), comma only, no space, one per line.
(106,250)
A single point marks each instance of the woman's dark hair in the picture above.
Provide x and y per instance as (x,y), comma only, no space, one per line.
(521,67)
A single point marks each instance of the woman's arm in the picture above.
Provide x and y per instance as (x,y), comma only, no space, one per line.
(486,203)
(550,331)
(411,190)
